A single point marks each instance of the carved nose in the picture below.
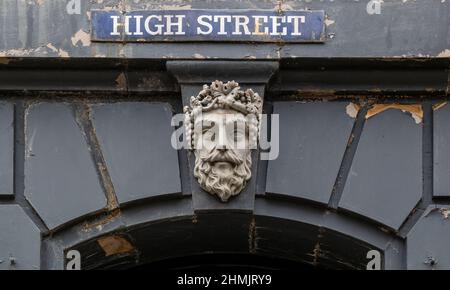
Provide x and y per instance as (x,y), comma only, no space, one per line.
(221,148)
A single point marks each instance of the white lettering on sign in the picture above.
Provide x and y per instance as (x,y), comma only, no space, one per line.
(202,22)
(178,24)
(138,19)
(115,30)
(208,24)
(276,23)
(127,25)
(198,25)
(221,20)
(241,21)
(159,27)
(259,22)
(296,25)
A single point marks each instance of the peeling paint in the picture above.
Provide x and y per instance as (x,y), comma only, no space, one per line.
(19,52)
(329,22)
(100,222)
(175,7)
(252,236)
(60,52)
(352,110)
(112,199)
(280,7)
(198,56)
(445,212)
(439,105)
(52,47)
(115,245)
(83,117)
(63,53)
(415,110)
(316,253)
(81,36)
(121,81)
(445,53)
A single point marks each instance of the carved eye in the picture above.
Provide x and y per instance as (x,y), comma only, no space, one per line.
(237,132)
(209,134)
(213,137)
(238,135)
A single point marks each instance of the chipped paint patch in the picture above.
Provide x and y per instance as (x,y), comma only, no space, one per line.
(18,52)
(175,7)
(280,7)
(121,81)
(63,53)
(52,47)
(4,60)
(60,52)
(415,110)
(445,53)
(98,223)
(439,105)
(39,2)
(115,245)
(329,22)
(316,253)
(198,56)
(445,212)
(352,110)
(81,36)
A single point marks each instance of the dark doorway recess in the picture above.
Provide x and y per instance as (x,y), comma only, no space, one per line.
(226,262)
(224,241)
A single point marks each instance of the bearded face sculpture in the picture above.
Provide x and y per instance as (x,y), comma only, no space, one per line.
(222,127)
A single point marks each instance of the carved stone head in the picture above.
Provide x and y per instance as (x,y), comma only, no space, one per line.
(222,126)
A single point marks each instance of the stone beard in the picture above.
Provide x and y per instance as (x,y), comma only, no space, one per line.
(222,131)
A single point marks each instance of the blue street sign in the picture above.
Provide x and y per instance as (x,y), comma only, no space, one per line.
(208,25)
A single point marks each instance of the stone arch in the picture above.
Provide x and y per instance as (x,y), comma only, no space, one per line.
(290,231)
